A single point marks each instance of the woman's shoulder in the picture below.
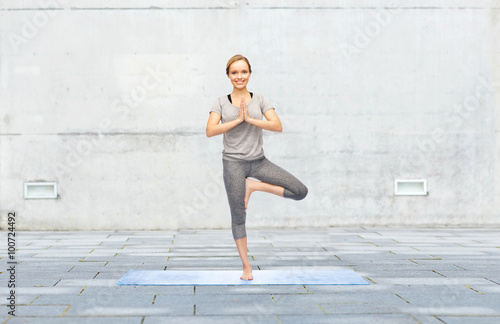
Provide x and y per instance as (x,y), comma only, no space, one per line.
(258,96)
(221,100)
(261,99)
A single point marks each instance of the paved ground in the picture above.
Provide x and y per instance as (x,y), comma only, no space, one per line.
(416,276)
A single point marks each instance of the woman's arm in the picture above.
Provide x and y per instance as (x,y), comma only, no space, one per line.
(214,128)
(272,123)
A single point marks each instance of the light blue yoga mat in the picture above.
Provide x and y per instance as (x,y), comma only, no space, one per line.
(226,278)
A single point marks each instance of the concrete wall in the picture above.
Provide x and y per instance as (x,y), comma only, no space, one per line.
(111,98)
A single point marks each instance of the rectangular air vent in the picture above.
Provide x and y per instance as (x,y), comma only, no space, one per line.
(40,190)
(410,187)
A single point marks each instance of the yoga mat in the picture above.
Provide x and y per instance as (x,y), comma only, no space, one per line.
(224,278)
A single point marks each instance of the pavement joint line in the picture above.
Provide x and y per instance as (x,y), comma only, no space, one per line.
(435,257)
(322,309)
(459,267)
(416,320)
(371,280)
(492,281)
(474,290)
(402,298)
(33,300)
(439,273)
(67,309)
(429,259)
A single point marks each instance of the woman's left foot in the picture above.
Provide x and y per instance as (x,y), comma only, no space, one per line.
(247,275)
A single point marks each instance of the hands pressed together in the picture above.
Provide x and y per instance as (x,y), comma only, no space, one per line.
(243,114)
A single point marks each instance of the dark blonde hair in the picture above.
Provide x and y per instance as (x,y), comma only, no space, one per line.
(235,58)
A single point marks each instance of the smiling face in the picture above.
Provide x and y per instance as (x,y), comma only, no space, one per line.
(239,74)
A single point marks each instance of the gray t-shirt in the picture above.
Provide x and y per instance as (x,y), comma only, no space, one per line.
(243,142)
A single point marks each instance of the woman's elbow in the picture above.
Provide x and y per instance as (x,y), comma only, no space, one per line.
(210,131)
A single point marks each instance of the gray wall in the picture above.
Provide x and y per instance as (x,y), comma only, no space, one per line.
(111,98)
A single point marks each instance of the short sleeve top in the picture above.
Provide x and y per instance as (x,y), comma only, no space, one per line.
(243,142)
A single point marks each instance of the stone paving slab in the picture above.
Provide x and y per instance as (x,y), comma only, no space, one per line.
(214,319)
(350,319)
(416,275)
(77,320)
(469,319)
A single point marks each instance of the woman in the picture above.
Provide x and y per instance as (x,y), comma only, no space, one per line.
(243,157)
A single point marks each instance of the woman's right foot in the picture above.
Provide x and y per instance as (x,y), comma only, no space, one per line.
(248,190)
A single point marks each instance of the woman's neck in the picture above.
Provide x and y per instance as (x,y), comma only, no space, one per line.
(240,92)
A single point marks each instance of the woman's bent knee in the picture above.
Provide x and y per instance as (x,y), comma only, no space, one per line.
(298,193)
(302,193)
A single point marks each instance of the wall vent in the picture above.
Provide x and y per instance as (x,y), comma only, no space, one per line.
(40,190)
(410,187)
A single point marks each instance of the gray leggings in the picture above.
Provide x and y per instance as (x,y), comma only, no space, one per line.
(264,170)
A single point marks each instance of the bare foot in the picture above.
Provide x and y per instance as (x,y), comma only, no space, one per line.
(248,190)
(247,274)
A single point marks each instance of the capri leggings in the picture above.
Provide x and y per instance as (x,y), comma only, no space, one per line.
(235,173)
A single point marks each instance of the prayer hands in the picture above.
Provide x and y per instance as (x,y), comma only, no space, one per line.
(243,114)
